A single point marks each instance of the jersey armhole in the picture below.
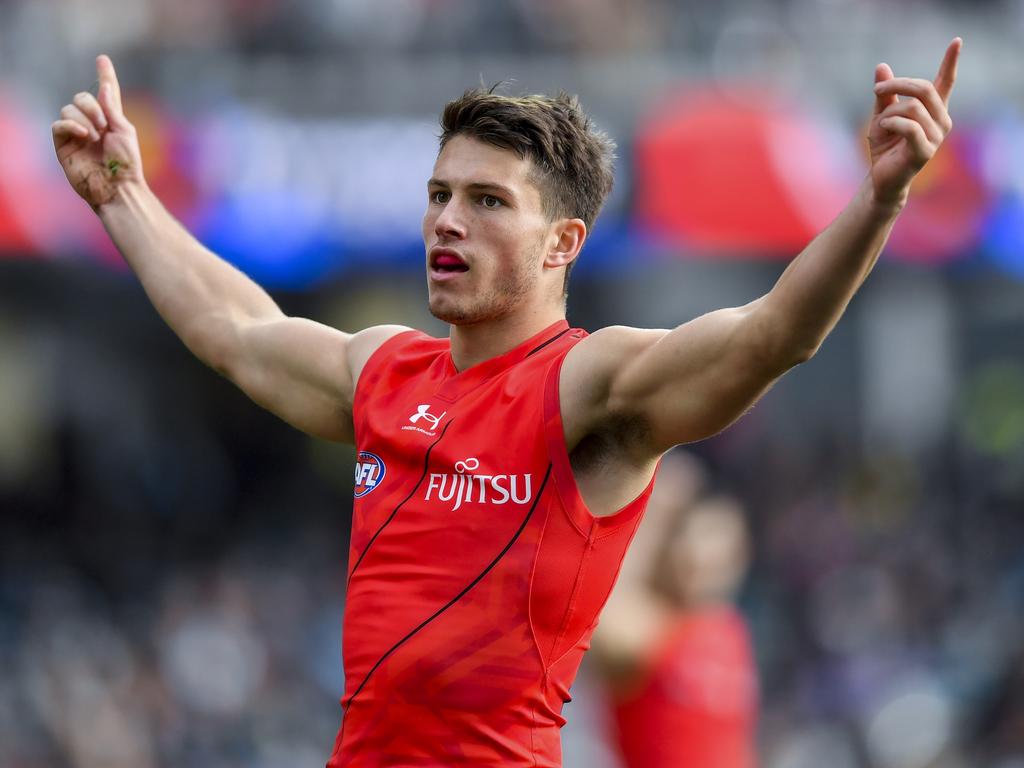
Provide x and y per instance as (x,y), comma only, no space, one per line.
(561,468)
(371,372)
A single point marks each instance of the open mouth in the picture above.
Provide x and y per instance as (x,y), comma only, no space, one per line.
(448,262)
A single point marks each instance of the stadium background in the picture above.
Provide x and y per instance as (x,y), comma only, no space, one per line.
(172,558)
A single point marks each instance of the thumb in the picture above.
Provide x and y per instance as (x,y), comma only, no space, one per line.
(884,72)
(110,93)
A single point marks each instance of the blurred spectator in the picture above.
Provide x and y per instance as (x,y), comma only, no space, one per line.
(675,653)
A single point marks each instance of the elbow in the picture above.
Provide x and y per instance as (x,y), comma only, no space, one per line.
(777,342)
(788,356)
(780,354)
(219,360)
(802,353)
(786,348)
(215,342)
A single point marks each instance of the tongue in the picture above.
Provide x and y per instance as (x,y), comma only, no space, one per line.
(446,261)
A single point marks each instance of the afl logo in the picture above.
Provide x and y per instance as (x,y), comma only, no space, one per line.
(370,471)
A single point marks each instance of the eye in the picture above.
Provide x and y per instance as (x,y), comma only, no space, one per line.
(490,201)
(440,196)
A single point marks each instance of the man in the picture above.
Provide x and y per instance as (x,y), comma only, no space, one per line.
(501,472)
(674,652)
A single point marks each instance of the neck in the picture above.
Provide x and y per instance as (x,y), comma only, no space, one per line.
(473,344)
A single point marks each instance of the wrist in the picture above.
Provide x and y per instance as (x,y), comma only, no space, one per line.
(128,195)
(887,205)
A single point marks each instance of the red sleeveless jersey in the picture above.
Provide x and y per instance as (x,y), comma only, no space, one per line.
(696,704)
(476,572)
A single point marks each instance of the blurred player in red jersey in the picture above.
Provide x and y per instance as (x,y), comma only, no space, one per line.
(502,471)
(675,653)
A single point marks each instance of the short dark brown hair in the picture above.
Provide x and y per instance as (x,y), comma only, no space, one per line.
(572,159)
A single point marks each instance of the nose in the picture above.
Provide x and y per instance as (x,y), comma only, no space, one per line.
(450,223)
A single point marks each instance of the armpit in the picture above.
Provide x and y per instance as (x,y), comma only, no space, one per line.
(619,437)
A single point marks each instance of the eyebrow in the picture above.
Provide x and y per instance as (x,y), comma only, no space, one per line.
(477,186)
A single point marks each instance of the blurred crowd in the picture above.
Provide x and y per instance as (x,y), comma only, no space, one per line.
(821,47)
(231,662)
(172,559)
(500,25)
(172,578)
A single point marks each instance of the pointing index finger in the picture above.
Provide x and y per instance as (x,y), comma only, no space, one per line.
(108,77)
(946,77)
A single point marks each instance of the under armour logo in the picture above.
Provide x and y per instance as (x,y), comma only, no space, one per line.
(423,412)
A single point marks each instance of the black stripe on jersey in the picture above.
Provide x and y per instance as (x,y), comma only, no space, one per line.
(454,600)
(556,337)
(426,464)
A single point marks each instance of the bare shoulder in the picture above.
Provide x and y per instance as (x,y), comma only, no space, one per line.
(589,372)
(364,343)
(590,367)
(615,340)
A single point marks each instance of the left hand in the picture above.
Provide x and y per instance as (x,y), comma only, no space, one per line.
(905,134)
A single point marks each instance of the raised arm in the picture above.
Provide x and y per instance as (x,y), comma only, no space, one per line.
(689,383)
(300,370)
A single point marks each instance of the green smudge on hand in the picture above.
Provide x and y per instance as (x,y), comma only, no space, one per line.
(114,166)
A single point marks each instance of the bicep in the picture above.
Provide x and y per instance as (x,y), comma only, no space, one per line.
(298,370)
(303,371)
(694,381)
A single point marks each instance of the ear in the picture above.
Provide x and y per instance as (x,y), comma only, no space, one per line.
(567,238)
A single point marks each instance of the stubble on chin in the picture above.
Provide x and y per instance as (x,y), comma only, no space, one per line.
(501,300)
(452,313)
(470,310)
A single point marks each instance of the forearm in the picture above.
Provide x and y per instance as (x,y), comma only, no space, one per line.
(199,295)
(813,292)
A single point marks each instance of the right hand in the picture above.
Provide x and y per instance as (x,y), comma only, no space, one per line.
(96,145)
(905,134)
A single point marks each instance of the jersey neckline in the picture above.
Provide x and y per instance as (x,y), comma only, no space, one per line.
(457,383)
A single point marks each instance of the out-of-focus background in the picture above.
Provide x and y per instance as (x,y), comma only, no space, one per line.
(172,572)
